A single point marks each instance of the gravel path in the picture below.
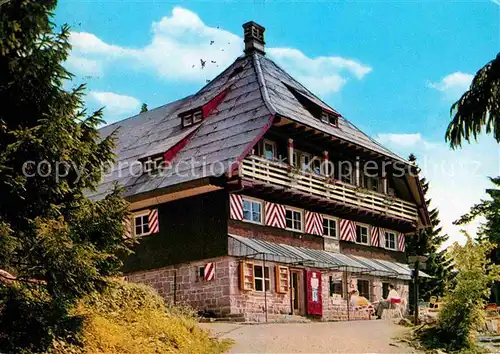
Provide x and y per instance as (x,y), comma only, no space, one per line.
(315,337)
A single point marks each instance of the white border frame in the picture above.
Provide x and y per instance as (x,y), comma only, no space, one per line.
(275,149)
(336,237)
(262,212)
(302,221)
(395,240)
(137,214)
(368,241)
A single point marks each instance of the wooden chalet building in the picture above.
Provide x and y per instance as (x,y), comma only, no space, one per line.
(253,198)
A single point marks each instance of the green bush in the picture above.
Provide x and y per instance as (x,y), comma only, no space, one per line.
(132,318)
(463,313)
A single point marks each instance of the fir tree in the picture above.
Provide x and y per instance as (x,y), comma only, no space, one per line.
(58,244)
(490,229)
(144,108)
(427,242)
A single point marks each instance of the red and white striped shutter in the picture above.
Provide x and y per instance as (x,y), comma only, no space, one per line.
(381,238)
(347,230)
(154,225)
(275,215)
(235,207)
(375,234)
(314,223)
(209,270)
(401,242)
(127,228)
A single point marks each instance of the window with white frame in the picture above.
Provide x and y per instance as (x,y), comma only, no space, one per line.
(261,278)
(191,118)
(293,219)
(270,150)
(390,240)
(141,224)
(252,210)
(329,227)
(346,172)
(362,234)
(153,164)
(305,161)
(371,183)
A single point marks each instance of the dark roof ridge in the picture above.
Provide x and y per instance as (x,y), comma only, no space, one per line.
(262,85)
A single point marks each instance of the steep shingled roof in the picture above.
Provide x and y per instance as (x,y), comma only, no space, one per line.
(257,89)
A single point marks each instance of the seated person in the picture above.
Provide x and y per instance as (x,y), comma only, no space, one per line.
(358,301)
(385,304)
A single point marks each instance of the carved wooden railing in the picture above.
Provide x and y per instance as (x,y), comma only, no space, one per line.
(273,172)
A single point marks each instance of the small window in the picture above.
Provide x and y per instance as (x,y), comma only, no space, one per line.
(200,273)
(316,165)
(153,164)
(305,161)
(364,288)
(329,227)
(346,172)
(270,151)
(293,219)
(191,118)
(197,117)
(385,290)
(390,240)
(371,183)
(361,234)
(261,277)
(294,158)
(141,225)
(252,211)
(329,118)
(335,287)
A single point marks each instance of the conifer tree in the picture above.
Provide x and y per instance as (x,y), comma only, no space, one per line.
(490,229)
(57,244)
(427,242)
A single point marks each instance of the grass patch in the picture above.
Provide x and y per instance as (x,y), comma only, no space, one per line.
(133,319)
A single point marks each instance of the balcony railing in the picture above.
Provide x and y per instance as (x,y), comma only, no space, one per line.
(260,169)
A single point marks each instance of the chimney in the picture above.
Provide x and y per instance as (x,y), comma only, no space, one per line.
(254,38)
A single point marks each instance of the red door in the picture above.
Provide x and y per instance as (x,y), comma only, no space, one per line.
(314,303)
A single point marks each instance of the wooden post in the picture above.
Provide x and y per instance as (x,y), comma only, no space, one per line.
(290,151)
(326,163)
(384,182)
(357,174)
(264,280)
(415,295)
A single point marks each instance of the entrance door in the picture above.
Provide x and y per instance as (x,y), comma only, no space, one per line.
(297,290)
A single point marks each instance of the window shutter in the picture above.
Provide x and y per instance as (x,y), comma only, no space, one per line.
(282,279)
(314,223)
(246,276)
(235,207)
(127,228)
(154,225)
(401,242)
(376,234)
(275,215)
(347,230)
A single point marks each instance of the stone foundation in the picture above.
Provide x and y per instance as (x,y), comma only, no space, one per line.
(223,298)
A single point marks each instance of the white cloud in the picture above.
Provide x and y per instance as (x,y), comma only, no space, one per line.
(404,140)
(453,85)
(458,178)
(115,104)
(83,65)
(181,41)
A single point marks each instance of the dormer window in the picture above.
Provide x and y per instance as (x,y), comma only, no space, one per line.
(153,164)
(329,118)
(191,118)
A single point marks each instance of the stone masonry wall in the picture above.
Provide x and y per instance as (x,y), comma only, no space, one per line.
(200,294)
(251,304)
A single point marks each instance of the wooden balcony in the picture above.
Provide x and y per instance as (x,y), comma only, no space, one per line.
(262,170)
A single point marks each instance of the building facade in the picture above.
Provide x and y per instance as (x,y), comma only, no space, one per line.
(253,199)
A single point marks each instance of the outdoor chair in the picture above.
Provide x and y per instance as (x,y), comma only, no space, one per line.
(395,311)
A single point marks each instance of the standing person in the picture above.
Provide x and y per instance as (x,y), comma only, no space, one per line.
(385,304)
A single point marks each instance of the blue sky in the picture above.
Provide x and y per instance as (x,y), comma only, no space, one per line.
(392,68)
